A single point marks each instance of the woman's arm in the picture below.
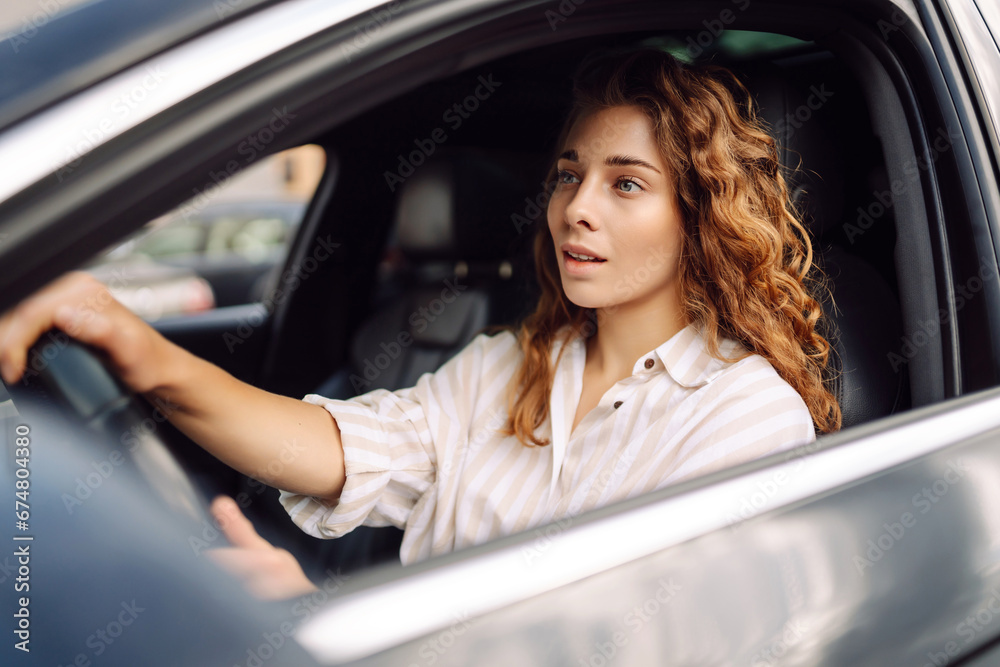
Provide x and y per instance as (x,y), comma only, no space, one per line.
(283,441)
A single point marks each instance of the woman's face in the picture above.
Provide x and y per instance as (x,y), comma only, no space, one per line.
(614,216)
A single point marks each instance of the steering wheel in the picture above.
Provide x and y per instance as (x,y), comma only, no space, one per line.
(71,380)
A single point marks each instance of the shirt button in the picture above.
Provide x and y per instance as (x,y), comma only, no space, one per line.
(618,404)
(649,363)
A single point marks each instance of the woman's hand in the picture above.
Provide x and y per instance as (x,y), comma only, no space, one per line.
(81,306)
(243,426)
(268,572)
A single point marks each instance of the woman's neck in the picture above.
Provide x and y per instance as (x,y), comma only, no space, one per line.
(628,331)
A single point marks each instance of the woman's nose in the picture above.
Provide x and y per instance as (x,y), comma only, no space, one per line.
(582,209)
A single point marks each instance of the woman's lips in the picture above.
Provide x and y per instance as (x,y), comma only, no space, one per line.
(580,267)
(581,252)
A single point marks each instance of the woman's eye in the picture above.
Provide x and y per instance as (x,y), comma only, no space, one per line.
(564,177)
(625,185)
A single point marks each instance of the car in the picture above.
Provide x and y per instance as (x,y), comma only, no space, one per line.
(231,246)
(153,290)
(876,545)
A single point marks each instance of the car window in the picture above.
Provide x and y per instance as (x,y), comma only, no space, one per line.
(731,44)
(180,239)
(259,238)
(218,248)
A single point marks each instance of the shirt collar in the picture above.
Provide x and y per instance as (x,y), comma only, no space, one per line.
(685,358)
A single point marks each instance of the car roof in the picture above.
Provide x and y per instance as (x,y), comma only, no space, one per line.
(53,56)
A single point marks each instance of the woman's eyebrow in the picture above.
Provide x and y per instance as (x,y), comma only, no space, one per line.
(628,161)
(612,160)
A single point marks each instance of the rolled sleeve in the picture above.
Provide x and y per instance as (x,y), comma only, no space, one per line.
(388,461)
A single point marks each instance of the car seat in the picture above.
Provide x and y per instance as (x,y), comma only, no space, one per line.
(451,272)
(864,324)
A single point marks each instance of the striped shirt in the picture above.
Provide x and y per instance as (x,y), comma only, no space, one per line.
(432,460)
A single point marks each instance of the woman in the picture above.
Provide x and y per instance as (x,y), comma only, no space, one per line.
(674,335)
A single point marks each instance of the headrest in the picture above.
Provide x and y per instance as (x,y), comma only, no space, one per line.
(459,205)
(798,122)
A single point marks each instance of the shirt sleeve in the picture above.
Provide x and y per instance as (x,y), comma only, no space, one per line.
(388,460)
(392,441)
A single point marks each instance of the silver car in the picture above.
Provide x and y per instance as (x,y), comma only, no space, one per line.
(879,545)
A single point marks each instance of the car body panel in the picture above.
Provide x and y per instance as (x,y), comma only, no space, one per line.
(55,140)
(980,54)
(58,51)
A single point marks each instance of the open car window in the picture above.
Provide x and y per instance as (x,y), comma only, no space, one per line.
(221,247)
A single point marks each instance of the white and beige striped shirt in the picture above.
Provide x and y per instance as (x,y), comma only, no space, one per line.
(431,459)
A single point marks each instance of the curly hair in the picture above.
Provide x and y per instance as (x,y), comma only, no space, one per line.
(746,268)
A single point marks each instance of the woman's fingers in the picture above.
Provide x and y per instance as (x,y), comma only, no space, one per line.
(77,303)
(245,564)
(83,307)
(236,527)
(23,324)
(267,572)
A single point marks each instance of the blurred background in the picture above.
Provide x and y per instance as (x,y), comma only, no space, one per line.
(223,247)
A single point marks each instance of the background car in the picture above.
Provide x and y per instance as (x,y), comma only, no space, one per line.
(153,290)
(877,545)
(232,247)
(220,248)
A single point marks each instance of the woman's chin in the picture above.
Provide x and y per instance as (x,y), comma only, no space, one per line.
(591,301)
